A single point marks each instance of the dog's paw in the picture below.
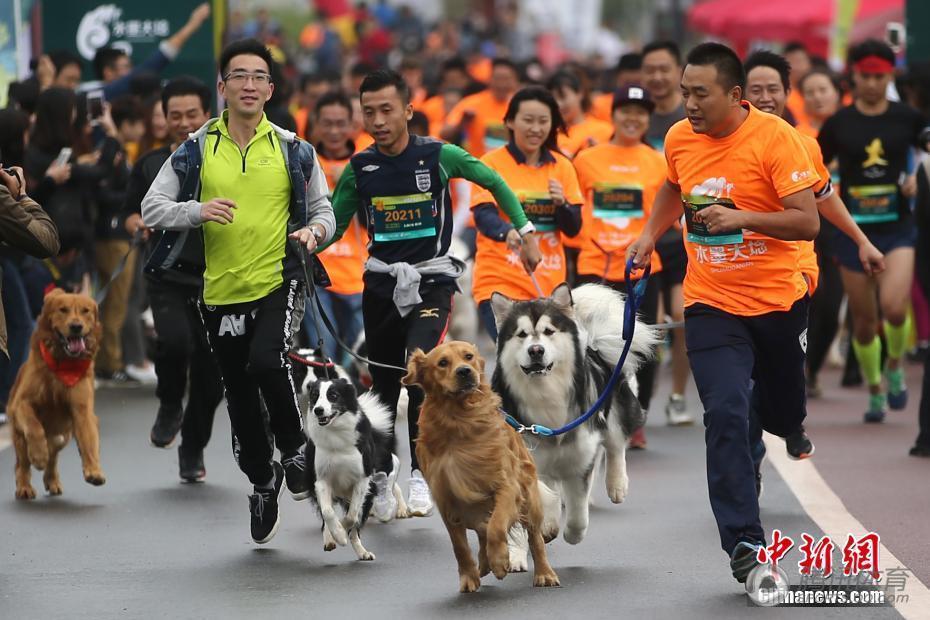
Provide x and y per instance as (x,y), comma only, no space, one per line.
(38,455)
(500,566)
(339,534)
(402,512)
(329,545)
(469,582)
(617,490)
(95,478)
(546,580)
(25,492)
(573,536)
(366,556)
(53,488)
(549,530)
(518,563)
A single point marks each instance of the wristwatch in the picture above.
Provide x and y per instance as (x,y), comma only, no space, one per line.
(318,233)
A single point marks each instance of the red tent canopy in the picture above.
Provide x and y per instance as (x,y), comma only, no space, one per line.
(783,20)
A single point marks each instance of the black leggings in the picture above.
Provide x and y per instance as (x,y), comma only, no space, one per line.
(391,337)
(648,312)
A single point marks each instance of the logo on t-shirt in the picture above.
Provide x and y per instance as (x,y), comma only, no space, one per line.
(799,175)
(875,151)
(714,186)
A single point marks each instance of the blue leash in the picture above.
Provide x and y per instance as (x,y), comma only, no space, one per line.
(635,295)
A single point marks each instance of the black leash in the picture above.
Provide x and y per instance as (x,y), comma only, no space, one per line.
(319,315)
(133,244)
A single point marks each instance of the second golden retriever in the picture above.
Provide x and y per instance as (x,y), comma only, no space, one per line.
(53,395)
(478,469)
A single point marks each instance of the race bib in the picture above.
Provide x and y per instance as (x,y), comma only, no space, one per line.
(495,136)
(403,217)
(540,209)
(697,231)
(869,204)
(613,200)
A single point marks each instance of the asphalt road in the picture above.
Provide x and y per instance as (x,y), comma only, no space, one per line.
(145,546)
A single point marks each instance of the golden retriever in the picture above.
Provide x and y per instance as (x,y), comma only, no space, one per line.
(53,395)
(479,470)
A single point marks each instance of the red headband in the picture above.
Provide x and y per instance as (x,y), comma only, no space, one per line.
(873,64)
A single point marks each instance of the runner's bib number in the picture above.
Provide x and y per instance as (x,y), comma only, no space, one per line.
(539,209)
(397,218)
(697,231)
(613,200)
(869,204)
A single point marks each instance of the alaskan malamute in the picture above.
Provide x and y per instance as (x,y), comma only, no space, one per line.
(554,357)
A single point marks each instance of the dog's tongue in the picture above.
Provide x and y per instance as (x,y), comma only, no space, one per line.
(76,346)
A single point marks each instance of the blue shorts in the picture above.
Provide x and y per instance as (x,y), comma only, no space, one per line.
(847,252)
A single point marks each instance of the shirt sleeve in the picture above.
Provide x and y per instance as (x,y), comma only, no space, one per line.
(788,164)
(824,186)
(345,203)
(671,173)
(455,162)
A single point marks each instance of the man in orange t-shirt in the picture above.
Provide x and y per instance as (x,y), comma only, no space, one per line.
(744,181)
(344,259)
(477,121)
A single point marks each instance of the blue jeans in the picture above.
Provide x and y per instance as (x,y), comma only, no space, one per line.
(19,326)
(345,313)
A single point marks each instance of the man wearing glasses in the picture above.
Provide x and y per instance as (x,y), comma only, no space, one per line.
(249,186)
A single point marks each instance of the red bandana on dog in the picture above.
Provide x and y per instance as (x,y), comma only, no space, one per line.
(68,371)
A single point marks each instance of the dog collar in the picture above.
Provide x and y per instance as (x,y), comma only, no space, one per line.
(68,371)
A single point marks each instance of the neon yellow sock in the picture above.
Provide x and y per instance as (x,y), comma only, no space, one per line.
(897,337)
(870,359)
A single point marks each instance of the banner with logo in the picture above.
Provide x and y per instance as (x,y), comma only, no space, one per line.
(83,26)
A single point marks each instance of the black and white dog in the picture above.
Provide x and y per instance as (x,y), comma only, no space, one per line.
(554,357)
(348,442)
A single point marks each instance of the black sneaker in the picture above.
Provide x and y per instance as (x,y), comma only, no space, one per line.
(919,450)
(190,466)
(166,427)
(744,559)
(799,445)
(295,466)
(263,504)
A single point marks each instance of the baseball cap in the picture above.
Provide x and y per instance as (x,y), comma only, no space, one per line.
(633,93)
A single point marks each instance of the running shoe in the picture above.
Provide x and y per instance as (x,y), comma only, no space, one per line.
(263,504)
(190,466)
(876,412)
(799,445)
(295,466)
(637,440)
(743,559)
(419,499)
(676,411)
(897,391)
(384,505)
(167,424)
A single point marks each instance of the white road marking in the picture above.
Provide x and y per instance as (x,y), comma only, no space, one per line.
(827,510)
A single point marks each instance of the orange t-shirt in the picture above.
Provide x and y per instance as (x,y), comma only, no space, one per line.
(619,184)
(362,141)
(301,117)
(601,106)
(807,262)
(741,272)
(496,267)
(583,134)
(795,103)
(434,109)
(487,130)
(345,259)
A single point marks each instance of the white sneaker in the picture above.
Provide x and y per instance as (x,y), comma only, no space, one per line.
(419,500)
(143,374)
(384,505)
(677,411)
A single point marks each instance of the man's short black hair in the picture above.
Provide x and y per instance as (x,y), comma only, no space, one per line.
(871,47)
(456,63)
(186,85)
(505,62)
(766,58)
(333,97)
(127,109)
(63,58)
(630,62)
(383,78)
(252,47)
(729,68)
(795,46)
(105,58)
(669,46)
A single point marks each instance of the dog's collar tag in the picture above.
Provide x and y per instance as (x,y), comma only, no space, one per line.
(68,371)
